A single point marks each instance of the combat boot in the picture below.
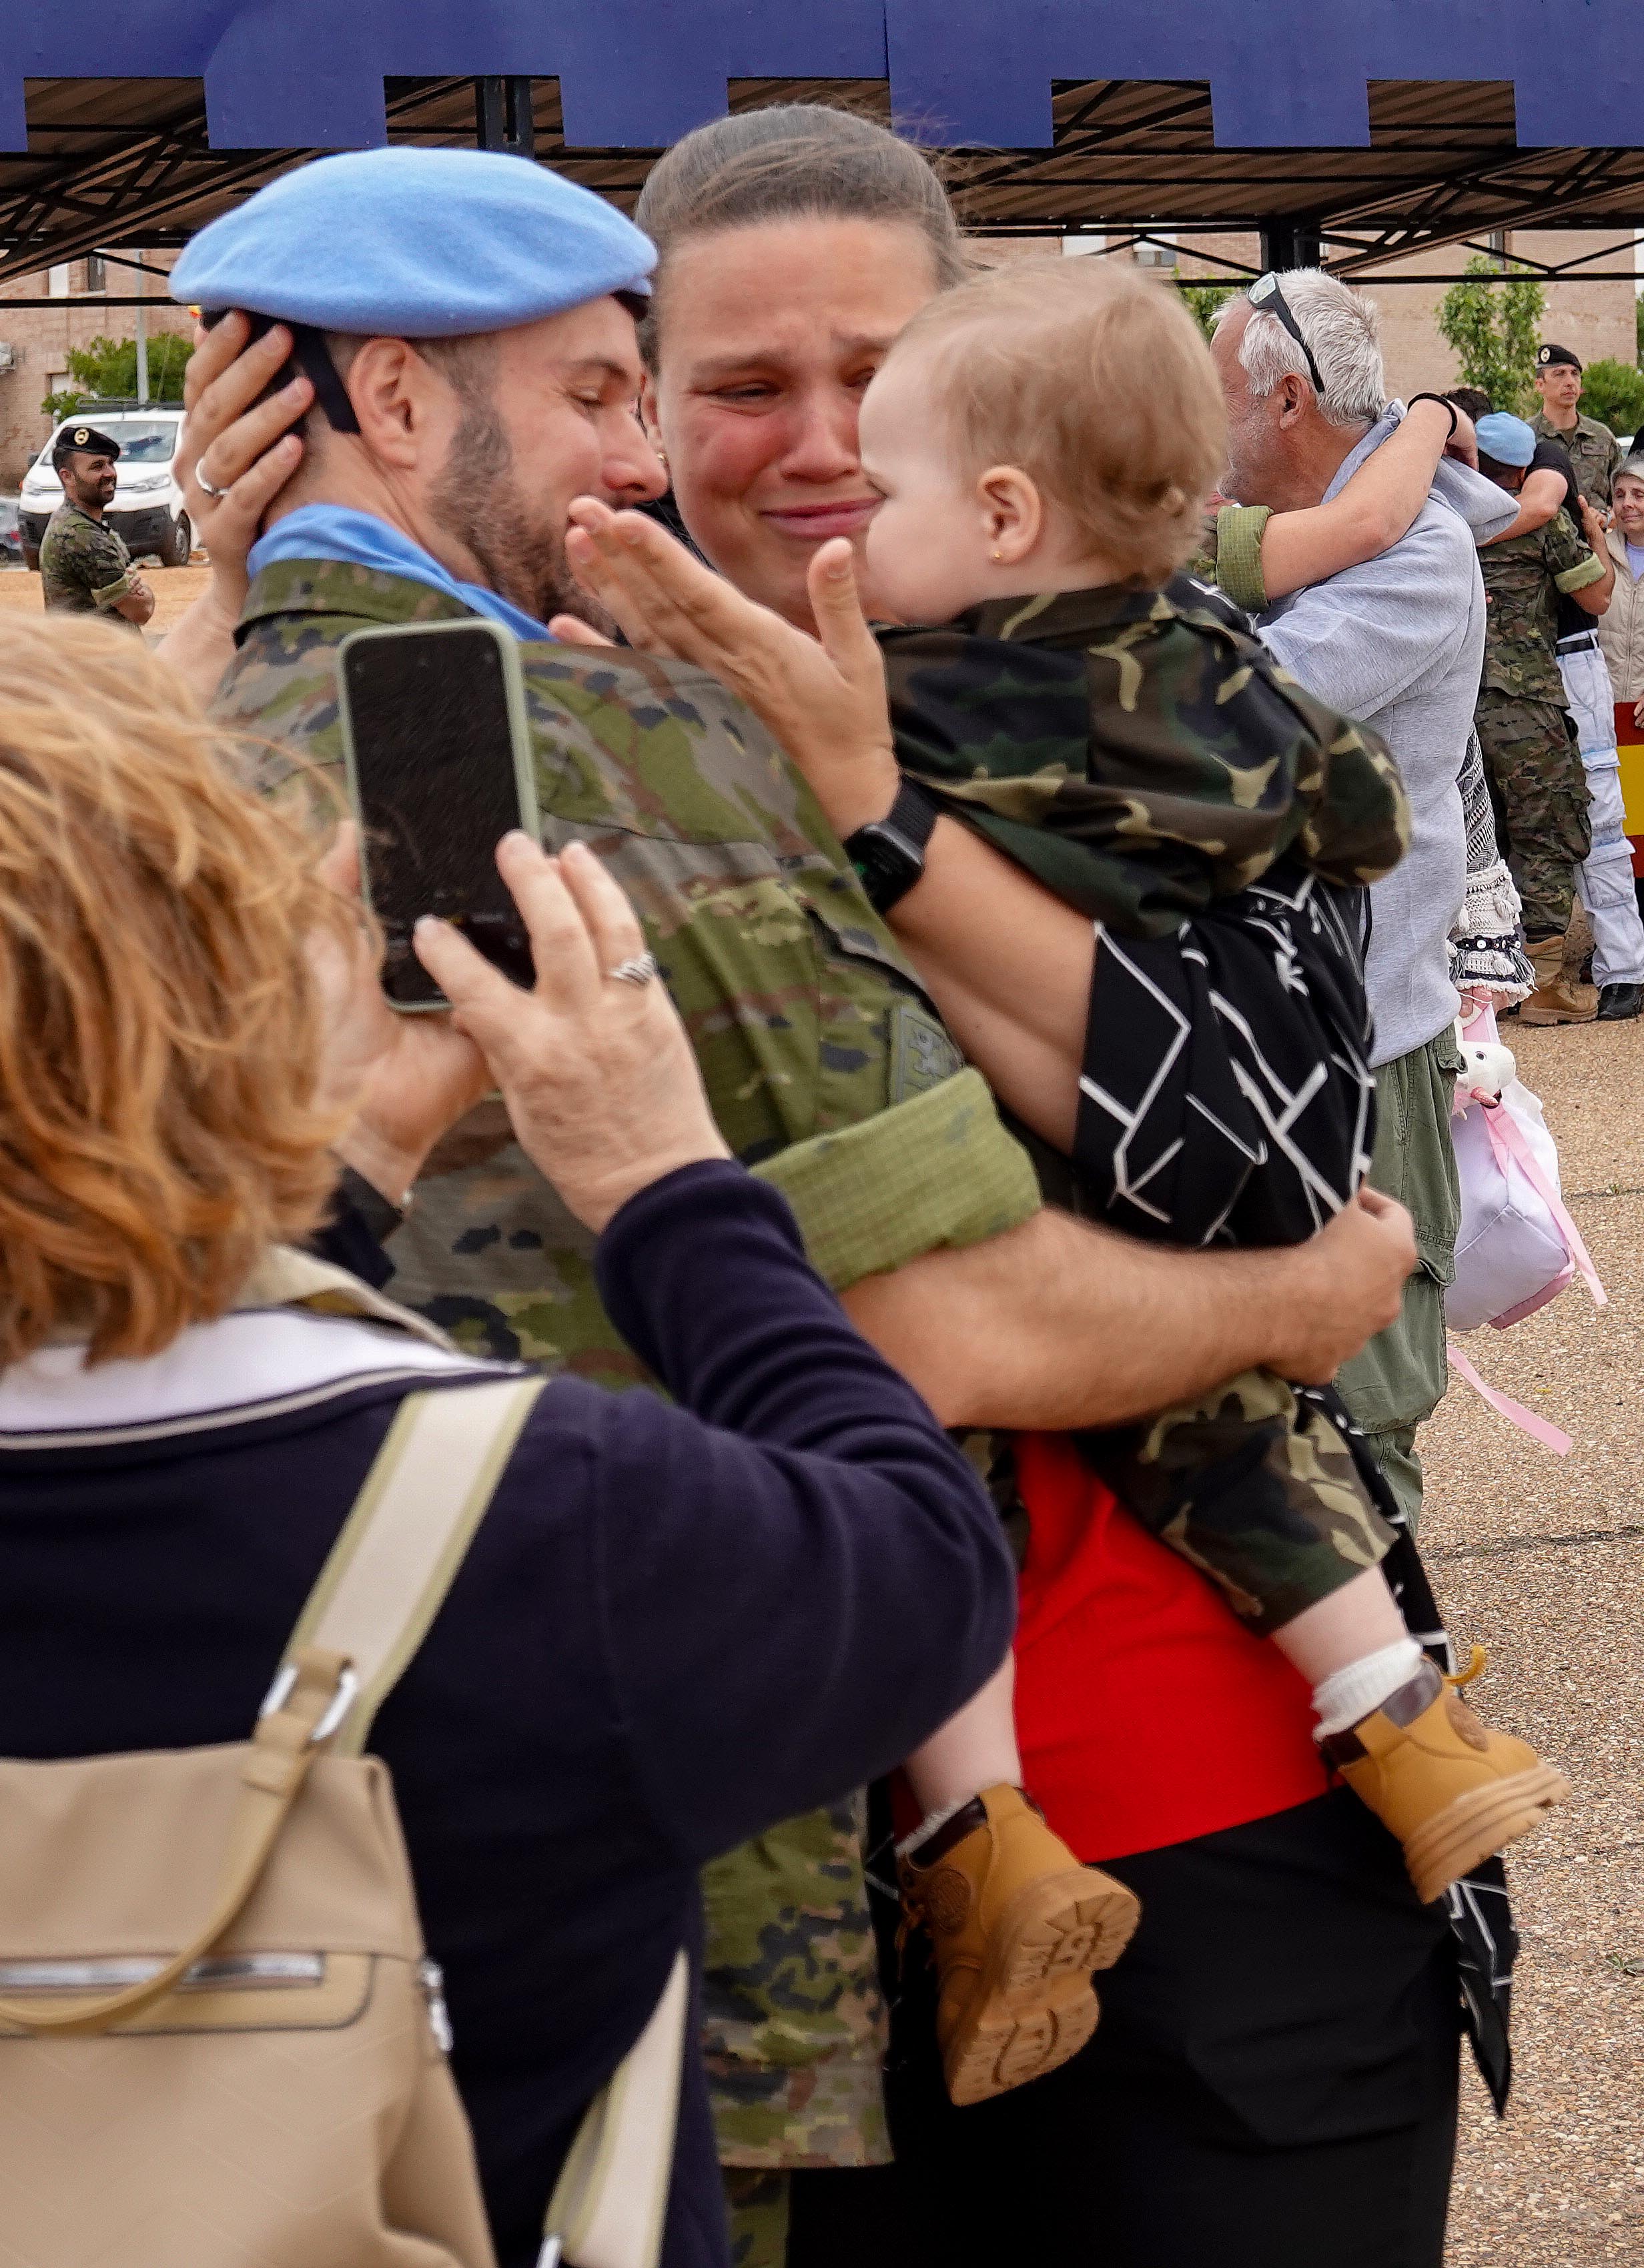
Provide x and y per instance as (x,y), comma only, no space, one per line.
(1555,1001)
(1450,1789)
(1016,1925)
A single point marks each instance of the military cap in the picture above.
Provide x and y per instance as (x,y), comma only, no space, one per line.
(415,244)
(1508,440)
(1547,356)
(75,439)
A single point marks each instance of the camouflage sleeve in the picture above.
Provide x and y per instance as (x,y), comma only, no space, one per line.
(1589,568)
(867,1200)
(1239,531)
(103,561)
(1167,762)
(1570,564)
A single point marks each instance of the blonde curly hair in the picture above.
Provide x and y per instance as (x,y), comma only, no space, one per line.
(1093,379)
(161,1121)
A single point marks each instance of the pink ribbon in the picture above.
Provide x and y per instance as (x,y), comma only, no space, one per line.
(1539,1429)
(1506,1139)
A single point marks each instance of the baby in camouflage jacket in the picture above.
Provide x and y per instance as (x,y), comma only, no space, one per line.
(1044,439)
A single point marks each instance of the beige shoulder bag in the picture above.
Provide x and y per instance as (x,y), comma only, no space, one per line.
(213,2060)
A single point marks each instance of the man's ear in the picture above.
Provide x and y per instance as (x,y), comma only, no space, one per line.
(648,416)
(1012,514)
(398,396)
(1293,397)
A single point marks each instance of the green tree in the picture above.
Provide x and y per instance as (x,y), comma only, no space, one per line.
(107,371)
(1494,329)
(1203,299)
(1613,392)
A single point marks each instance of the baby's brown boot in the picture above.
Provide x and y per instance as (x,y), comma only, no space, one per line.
(1016,1925)
(1450,1789)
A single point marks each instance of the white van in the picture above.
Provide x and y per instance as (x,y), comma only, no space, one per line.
(148,508)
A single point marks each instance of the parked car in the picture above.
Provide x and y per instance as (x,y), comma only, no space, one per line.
(148,507)
(10,542)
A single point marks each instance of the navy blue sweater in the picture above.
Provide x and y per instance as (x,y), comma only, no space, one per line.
(677,1625)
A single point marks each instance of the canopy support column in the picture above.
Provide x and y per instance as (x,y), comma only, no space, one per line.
(503,117)
(1290,244)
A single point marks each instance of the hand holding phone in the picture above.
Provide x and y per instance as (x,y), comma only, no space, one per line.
(439,769)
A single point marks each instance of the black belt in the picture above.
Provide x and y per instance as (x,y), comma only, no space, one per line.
(1578,641)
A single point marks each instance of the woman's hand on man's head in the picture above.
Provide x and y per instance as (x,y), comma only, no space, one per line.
(823,698)
(247,455)
(596,1071)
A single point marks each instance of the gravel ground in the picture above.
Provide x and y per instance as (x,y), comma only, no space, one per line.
(173,588)
(1542,1559)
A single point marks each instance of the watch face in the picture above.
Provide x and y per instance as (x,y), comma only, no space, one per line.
(887,865)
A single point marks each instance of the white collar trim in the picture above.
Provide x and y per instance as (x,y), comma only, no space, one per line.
(256,1362)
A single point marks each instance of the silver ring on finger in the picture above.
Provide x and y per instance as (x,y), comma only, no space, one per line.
(200,481)
(639,971)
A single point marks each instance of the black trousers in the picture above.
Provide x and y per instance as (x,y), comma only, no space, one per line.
(1272,2085)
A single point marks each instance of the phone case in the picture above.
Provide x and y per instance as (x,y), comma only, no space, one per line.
(518,739)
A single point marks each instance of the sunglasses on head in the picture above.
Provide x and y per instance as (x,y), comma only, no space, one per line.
(1265,294)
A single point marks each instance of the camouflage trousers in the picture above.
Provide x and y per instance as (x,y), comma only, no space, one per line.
(1538,785)
(1257,1487)
(757,2201)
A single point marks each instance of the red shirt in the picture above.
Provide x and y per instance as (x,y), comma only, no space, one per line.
(1147,1713)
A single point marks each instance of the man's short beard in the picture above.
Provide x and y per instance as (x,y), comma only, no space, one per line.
(477,500)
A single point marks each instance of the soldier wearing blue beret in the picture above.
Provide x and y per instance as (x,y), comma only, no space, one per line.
(480,371)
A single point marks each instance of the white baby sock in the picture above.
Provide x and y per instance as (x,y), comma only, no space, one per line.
(1346,1695)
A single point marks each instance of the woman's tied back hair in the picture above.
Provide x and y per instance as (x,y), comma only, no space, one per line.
(794,161)
(159,1025)
(1096,381)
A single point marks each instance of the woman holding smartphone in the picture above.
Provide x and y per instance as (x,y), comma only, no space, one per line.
(191,1025)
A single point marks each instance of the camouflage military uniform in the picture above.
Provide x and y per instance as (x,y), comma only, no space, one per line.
(1152,765)
(1524,725)
(809,1025)
(1593,451)
(84,567)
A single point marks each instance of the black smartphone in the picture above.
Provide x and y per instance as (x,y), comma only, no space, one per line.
(439,769)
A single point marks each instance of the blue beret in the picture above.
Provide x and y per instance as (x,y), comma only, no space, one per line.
(1507,439)
(415,244)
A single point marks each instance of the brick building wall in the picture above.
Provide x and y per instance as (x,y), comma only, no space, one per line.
(40,339)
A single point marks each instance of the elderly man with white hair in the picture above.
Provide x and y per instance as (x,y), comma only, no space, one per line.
(1397,641)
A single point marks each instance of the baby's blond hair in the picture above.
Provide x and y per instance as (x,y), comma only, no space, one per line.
(1097,382)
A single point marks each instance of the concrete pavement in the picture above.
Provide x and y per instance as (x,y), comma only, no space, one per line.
(1542,1559)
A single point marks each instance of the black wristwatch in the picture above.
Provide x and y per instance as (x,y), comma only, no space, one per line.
(889,853)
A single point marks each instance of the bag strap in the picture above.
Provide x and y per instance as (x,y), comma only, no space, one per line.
(380,1589)
(401,1546)
(610,2203)
(275,1765)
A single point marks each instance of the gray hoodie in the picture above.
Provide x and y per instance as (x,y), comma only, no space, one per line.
(1399,644)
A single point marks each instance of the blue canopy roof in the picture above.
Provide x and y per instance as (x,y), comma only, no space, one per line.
(637,73)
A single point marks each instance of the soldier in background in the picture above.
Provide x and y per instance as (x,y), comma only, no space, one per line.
(84,567)
(1529,737)
(1593,448)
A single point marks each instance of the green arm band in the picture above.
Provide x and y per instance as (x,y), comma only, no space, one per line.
(1588,569)
(1239,531)
(938,1170)
(110,594)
